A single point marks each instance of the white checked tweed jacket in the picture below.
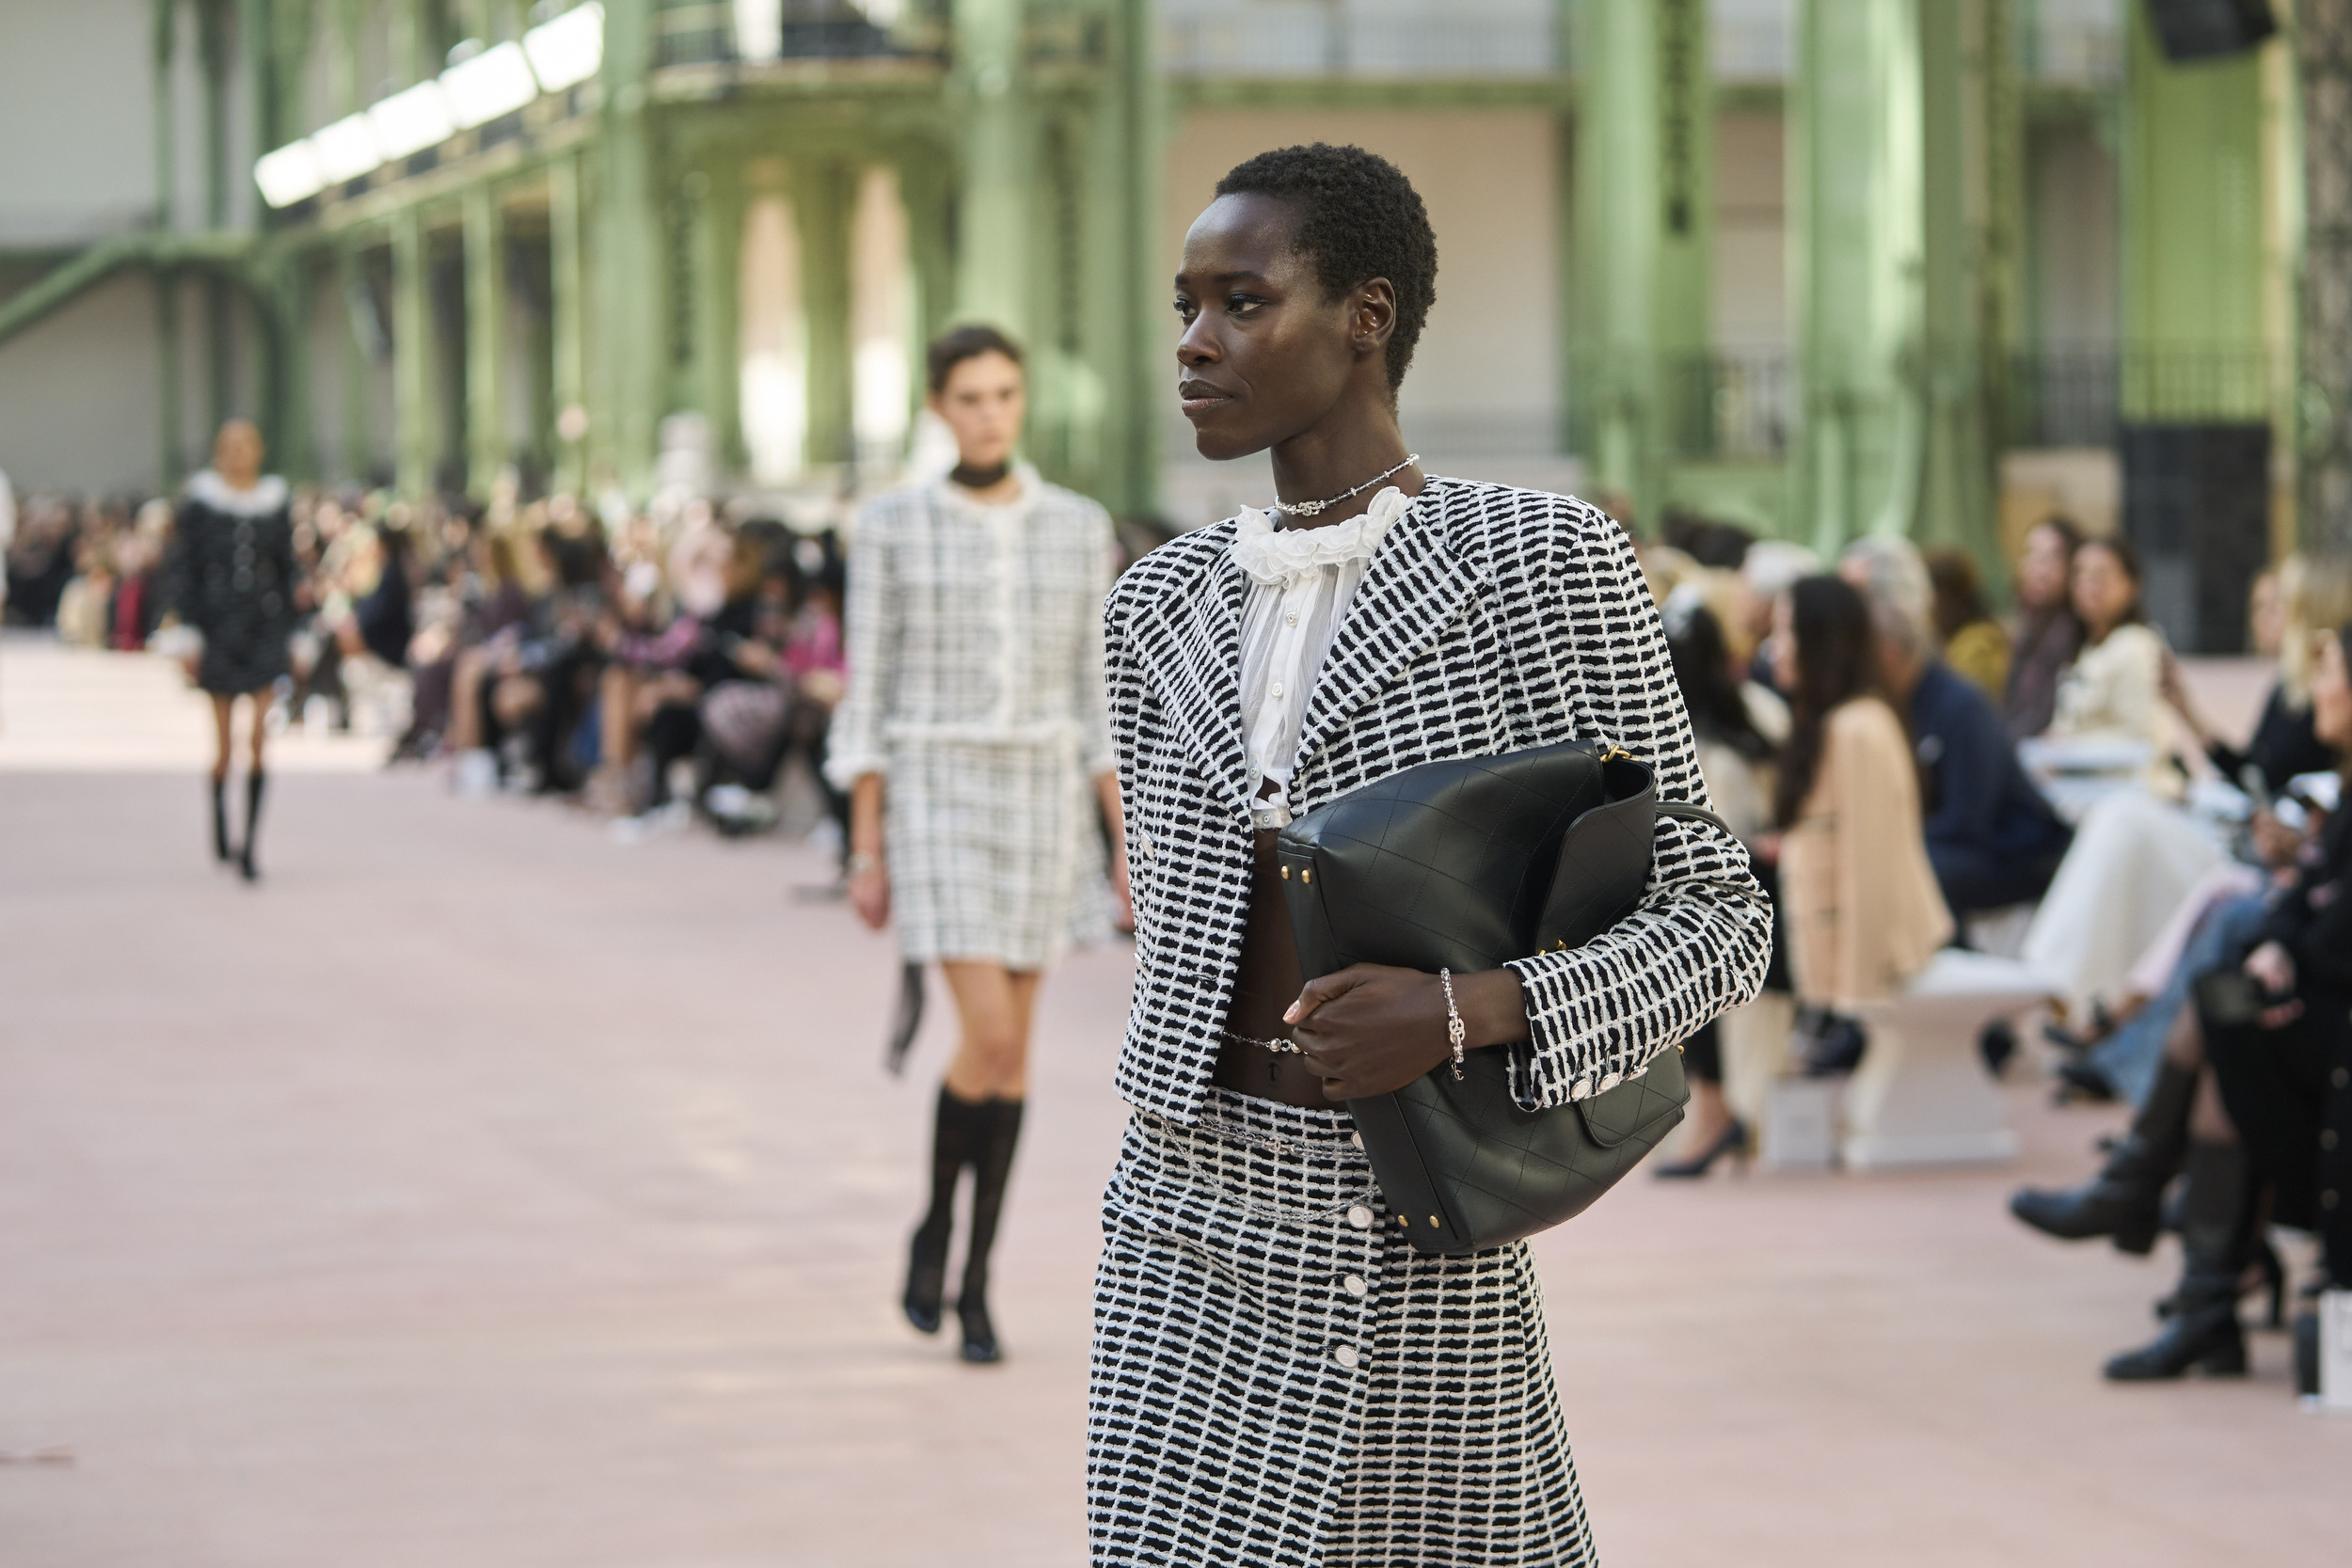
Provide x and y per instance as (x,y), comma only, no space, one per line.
(1492,619)
(976,686)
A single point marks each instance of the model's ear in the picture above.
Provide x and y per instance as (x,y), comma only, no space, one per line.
(1372,316)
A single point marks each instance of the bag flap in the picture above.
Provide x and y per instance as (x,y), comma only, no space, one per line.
(1658,1093)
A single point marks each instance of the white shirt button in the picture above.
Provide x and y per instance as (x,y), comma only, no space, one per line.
(1360,1218)
(1290,618)
(1355,1138)
(1354,1285)
(1345,1355)
(1278,689)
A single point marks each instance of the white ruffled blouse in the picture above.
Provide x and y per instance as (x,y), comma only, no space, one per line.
(1300,582)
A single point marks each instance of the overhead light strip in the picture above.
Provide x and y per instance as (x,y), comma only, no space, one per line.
(555,55)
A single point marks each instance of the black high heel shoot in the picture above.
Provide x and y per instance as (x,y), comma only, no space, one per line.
(1732,1140)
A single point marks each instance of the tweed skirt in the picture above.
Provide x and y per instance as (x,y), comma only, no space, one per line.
(1279,1378)
(996,852)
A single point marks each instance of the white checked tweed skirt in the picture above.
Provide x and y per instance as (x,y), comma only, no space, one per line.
(1279,1378)
(995,851)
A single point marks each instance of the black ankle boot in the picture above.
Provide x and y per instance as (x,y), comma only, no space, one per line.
(245,868)
(2126,1200)
(991,1168)
(2218,1232)
(221,851)
(954,1129)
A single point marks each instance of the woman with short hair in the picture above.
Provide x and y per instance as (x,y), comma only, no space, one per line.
(975,749)
(1278,1377)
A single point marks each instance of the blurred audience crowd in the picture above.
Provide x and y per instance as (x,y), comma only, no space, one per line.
(1911,771)
(653,665)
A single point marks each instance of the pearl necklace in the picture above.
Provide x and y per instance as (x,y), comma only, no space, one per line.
(1308,509)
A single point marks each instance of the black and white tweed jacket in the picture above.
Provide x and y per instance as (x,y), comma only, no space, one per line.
(1493,619)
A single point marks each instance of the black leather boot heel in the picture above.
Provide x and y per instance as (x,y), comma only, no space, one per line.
(991,1167)
(245,868)
(221,851)
(2218,1231)
(954,1126)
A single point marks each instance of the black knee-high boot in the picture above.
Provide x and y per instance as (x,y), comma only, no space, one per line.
(955,1130)
(991,1166)
(2220,1225)
(2126,1198)
(221,851)
(252,824)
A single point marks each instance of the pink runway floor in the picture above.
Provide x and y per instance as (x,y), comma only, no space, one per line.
(480,1192)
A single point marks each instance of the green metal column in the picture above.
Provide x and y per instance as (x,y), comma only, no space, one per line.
(1126,276)
(1854,169)
(2194,236)
(170,458)
(214,40)
(926,187)
(823,195)
(630,265)
(2325,393)
(1955,505)
(485,337)
(1643,279)
(567,310)
(413,443)
(358,457)
(718,260)
(993,278)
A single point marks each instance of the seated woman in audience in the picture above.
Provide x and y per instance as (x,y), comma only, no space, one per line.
(2291,610)
(2047,634)
(2136,857)
(1972,641)
(1735,754)
(2283,1071)
(1860,898)
(2250,1106)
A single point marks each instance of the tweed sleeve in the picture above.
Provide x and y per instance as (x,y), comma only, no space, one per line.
(1698,941)
(871,645)
(1094,716)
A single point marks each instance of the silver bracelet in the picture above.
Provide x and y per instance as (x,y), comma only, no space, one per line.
(1456,1033)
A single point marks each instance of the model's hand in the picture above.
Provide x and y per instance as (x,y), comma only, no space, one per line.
(1369,1029)
(869,893)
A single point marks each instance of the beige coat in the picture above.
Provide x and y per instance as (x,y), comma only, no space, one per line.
(1863,908)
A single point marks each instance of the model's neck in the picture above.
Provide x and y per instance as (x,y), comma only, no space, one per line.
(1336,456)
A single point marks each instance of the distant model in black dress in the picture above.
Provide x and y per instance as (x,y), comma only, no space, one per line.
(232,580)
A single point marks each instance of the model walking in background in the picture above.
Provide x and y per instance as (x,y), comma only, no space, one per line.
(1278,1377)
(975,751)
(231,580)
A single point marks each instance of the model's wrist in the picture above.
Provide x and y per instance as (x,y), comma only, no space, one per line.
(1493,1006)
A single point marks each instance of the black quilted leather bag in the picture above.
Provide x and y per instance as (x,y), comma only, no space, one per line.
(1463,866)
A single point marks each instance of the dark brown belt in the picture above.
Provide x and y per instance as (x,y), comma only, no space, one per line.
(1267,982)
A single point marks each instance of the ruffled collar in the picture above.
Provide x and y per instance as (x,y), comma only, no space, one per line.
(1275,557)
(267,495)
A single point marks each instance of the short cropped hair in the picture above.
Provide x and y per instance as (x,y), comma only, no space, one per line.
(1895,584)
(1359,218)
(957,345)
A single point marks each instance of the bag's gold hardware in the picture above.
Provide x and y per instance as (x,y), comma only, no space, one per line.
(1614,752)
(1403,1220)
(1307,875)
(1434,1225)
(1286,873)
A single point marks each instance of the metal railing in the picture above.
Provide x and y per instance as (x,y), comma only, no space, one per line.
(2080,396)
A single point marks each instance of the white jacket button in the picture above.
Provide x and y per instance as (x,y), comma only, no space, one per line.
(1354,1285)
(1360,1217)
(1346,1357)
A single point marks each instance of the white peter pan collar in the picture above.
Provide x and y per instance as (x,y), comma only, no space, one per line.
(267,495)
(1278,558)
